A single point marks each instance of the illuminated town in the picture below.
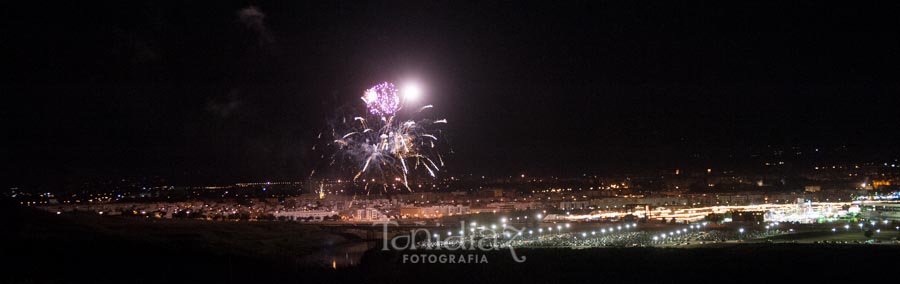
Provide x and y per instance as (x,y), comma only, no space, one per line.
(427,141)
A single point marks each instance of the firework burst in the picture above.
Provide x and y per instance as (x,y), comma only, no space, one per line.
(382,99)
(386,145)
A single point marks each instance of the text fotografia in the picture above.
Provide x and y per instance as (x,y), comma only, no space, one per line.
(465,239)
(445,258)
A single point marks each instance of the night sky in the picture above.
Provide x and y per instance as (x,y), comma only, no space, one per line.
(238,90)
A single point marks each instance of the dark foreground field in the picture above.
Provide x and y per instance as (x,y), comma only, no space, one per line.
(39,247)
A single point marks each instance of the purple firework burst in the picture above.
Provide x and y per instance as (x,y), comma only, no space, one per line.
(382,99)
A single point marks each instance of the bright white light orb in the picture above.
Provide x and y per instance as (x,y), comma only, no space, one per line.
(411,91)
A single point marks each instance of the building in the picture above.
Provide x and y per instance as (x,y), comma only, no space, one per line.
(369,214)
(432,211)
(574,205)
(305,215)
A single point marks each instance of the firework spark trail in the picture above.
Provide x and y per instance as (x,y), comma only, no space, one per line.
(405,147)
(432,163)
(366,166)
(406,184)
(429,170)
